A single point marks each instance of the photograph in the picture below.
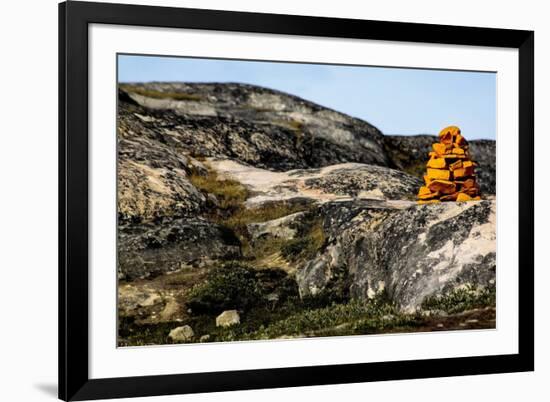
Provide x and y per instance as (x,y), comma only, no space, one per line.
(276,200)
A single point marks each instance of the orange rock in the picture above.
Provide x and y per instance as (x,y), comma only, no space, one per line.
(459,173)
(472,192)
(463,197)
(460,140)
(468,183)
(424,190)
(442,186)
(449,197)
(455,165)
(446,138)
(428,196)
(453,156)
(440,149)
(453,130)
(438,174)
(457,151)
(436,163)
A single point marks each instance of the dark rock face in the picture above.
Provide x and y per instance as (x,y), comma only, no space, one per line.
(411,253)
(148,250)
(410,153)
(484,153)
(258,126)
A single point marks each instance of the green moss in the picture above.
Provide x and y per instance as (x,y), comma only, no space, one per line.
(462,299)
(152,93)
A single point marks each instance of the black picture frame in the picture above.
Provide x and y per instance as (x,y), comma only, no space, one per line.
(74,381)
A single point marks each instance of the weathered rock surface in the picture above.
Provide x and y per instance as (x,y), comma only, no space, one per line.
(336,182)
(411,253)
(146,250)
(258,126)
(282,228)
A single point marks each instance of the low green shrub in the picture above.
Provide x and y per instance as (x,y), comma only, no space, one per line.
(462,299)
(232,286)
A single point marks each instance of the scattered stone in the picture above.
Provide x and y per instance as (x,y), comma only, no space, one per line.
(181,334)
(228,318)
(204,338)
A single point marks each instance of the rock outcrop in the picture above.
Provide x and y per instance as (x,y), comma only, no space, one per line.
(262,127)
(336,182)
(148,250)
(411,253)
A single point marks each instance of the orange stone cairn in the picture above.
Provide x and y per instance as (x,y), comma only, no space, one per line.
(450,173)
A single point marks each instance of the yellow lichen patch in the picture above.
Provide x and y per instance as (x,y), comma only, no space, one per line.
(428,201)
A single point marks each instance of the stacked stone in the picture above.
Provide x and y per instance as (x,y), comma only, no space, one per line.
(450,174)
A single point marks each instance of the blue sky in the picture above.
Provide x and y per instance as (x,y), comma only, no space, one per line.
(396,100)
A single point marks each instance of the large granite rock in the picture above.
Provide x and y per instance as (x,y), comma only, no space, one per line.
(410,253)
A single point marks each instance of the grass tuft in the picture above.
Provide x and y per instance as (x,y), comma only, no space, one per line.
(230,194)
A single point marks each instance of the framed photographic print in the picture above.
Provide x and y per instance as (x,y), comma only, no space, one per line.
(257,200)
